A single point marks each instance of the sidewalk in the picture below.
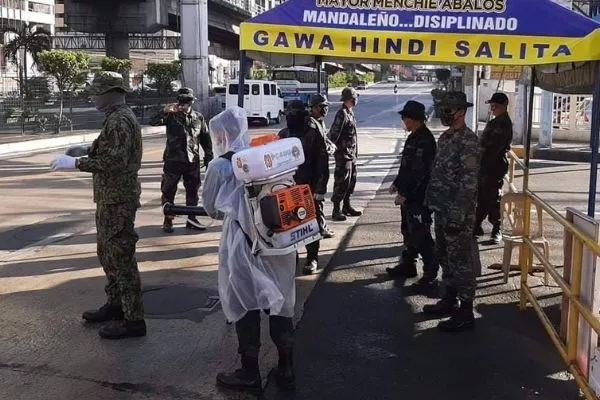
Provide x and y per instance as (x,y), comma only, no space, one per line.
(15,144)
(364,336)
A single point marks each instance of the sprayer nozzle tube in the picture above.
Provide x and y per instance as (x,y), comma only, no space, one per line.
(171,209)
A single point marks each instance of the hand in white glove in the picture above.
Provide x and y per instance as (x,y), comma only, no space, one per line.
(63,162)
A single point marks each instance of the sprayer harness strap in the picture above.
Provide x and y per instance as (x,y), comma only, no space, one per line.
(228,156)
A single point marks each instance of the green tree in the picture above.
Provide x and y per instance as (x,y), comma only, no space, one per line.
(116,65)
(28,39)
(163,75)
(68,68)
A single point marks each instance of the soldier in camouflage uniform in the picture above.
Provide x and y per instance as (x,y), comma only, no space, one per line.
(343,135)
(495,144)
(114,160)
(186,132)
(452,195)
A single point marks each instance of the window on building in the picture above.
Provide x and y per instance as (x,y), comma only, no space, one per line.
(40,7)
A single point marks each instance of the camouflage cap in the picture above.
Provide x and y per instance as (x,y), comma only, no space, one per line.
(185,93)
(349,93)
(455,99)
(317,99)
(105,81)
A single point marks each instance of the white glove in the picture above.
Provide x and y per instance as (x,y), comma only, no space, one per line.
(63,162)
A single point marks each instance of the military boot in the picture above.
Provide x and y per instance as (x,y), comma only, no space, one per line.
(446,306)
(425,285)
(246,379)
(123,329)
(105,313)
(350,211)
(194,224)
(462,320)
(167,225)
(406,269)
(496,234)
(337,213)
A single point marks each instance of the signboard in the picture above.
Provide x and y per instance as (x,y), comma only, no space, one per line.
(507,73)
(587,341)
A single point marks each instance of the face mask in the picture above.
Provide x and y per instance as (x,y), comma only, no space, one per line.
(448,116)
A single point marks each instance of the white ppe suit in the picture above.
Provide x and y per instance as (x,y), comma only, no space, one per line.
(246,282)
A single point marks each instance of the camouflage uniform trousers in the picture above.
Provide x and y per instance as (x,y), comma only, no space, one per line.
(416,230)
(172,173)
(458,255)
(116,241)
(312,249)
(488,199)
(344,179)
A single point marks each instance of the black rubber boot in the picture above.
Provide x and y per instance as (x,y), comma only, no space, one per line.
(123,329)
(406,269)
(282,334)
(462,320)
(188,225)
(167,225)
(349,210)
(446,306)
(337,215)
(245,379)
(104,314)
(496,234)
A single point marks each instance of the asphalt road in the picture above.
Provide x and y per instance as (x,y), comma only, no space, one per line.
(360,335)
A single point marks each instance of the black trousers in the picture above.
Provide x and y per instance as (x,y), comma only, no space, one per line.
(416,229)
(312,249)
(281,330)
(488,200)
(172,173)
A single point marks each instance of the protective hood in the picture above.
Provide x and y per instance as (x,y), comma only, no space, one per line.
(229,131)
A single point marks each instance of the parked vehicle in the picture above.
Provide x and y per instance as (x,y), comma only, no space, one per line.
(262,100)
(299,83)
(221,93)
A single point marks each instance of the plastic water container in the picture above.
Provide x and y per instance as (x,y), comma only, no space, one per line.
(263,162)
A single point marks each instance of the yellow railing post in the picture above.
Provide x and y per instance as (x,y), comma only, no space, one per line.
(573,326)
(524,256)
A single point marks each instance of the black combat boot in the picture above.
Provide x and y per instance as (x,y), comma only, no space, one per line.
(197,227)
(496,234)
(123,329)
(406,269)
(350,211)
(284,373)
(425,285)
(104,314)
(462,320)
(167,225)
(446,306)
(337,213)
(246,379)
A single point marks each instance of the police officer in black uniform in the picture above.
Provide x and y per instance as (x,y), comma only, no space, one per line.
(344,137)
(186,132)
(410,186)
(495,144)
(315,170)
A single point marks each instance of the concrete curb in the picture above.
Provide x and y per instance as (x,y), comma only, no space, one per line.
(574,155)
(29,146)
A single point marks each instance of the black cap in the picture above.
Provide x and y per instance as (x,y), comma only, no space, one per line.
(185,94)
(498,98)
(413,110)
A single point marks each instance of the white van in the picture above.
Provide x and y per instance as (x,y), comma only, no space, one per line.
(262,100)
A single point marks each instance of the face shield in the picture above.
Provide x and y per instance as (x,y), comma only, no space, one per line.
(229,131)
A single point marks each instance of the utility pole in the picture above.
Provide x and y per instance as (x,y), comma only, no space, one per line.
(194,48)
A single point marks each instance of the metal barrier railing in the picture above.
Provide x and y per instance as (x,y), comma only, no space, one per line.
(571,290)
